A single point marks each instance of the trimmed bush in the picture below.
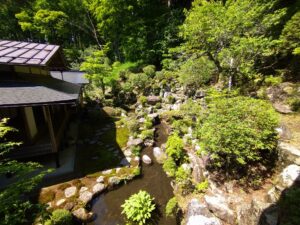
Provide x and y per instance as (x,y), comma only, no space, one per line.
(239,131)
(139,207)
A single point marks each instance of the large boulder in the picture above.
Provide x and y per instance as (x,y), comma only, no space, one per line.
(153,100)
(159,154)
(289,153)
(198,166)
(218,205)
(198,214)
(256,212)
(290,175)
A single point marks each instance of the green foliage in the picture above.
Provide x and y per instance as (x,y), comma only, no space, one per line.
(61,217)
(136,81)
(239,131)
(202,186)
(149,70)
(147,134)
(273,81)
(98,69)
(143,99)
(139,207)
(174,147)
(195,73)
(182,175)
(170,167)
(295,104)
(136,150)
(291,35)
(233,35)
(172,207)
(15,208)
(288,206)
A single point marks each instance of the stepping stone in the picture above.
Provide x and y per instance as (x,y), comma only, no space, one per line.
(70,191)
(98,188)
(146,159)
(85,196)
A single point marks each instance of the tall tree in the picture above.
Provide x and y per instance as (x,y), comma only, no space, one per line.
(235,36)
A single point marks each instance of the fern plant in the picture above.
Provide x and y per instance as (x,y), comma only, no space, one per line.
(139,207)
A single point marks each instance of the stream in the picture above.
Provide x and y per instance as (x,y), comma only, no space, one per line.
(153,179)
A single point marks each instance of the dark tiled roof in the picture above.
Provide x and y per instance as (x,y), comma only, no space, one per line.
(25,53)
(36,90)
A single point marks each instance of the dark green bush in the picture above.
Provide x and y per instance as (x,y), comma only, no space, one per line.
(60,217)
(238,131)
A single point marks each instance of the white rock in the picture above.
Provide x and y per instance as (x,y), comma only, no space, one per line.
(290,174)
(127,153)
(70,191)
(85,196)
(83,215)
(146,159)
(83,189)
(137,158)
(60,202)
(97,188)
(100,179)
(202,220)
(118,169)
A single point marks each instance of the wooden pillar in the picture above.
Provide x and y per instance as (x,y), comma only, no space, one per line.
(51,132)
(30,123)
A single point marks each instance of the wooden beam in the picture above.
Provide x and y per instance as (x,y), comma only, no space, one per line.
(50,127)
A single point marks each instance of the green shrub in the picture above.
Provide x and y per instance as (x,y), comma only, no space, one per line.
(202,186)
(295,104)
(143,99)
(174,147)
(289,206)
(170,167)
(149,70)
(132,125)
(148,123)
(147,134)
(136,150)
(139,207)
(172,207)
(273,81)
(238,131)
(61,217)
(182,175)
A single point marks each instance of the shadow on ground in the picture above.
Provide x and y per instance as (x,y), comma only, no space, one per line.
(286,211)
(100,142)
